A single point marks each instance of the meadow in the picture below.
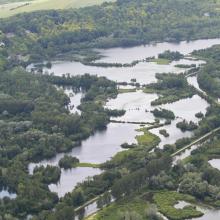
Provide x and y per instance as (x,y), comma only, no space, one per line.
(12,7)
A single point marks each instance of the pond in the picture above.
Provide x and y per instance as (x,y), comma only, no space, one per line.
(96,149)
(209,214)
(5,193)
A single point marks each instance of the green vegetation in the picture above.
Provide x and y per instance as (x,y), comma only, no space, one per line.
(199,115)
(185,66)
(209,75)
(170,55)
(115,113)
(33,111)
(171,148)
(186,126)
(171,87)
(166,201)
(48,174)
(35,123)
(88,165)
(147,139)
(163,113)
(68,162)
(14,7)
(129,208)
(126,90)
(164,133)
(128,146)
(161,61)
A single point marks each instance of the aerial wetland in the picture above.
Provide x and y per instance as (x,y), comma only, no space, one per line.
(104,145)
(109,110)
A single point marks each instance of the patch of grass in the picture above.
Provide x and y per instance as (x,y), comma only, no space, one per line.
(126,90)
(120,157)
(147,138)
(167,200)
(149,90)
(160,61)
(92,165)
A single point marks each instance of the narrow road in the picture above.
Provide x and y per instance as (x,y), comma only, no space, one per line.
(204,137)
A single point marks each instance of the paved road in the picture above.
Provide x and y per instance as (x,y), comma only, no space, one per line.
(204,137)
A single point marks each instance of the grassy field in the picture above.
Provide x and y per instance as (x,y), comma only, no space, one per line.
(160,61)
(147,139)
(13,7)
(135,207)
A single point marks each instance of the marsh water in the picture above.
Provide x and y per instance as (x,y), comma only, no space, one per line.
(5,193)
(105,144)
(127,55)
(143,72)
(209,214)
(215,163)
(137,105)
